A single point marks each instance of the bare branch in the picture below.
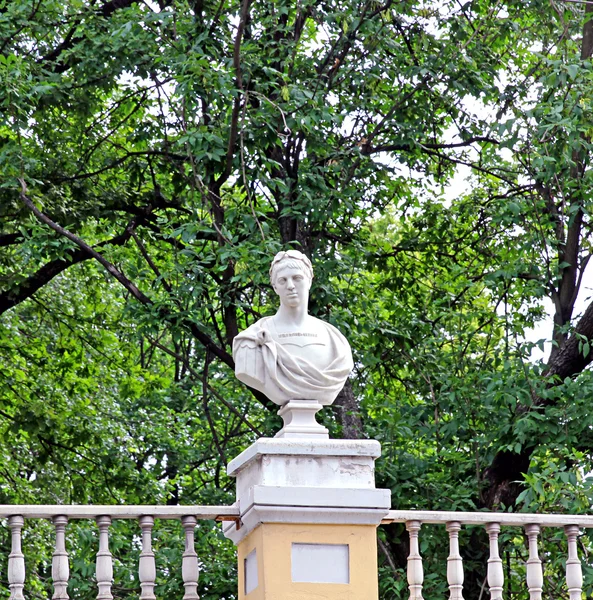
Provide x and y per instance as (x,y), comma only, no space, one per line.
(202,337)
(26,289)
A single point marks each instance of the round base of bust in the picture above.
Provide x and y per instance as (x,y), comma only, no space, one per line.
(299,420)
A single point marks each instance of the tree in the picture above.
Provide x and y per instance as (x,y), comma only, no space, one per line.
(154,156)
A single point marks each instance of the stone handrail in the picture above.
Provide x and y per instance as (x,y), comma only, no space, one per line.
(119,511)
(103,515)
(492,522)
(481,518)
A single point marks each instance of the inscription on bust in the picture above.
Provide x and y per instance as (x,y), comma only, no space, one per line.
(297,333)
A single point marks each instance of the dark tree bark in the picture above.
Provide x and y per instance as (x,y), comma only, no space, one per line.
(348,410)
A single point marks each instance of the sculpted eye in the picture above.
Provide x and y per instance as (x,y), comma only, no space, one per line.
(281,279)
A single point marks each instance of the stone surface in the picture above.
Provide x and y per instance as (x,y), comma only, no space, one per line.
(303,462)
(299,420)
(320,563)
(274,544)
(251,574)
(307,481)
(309,511)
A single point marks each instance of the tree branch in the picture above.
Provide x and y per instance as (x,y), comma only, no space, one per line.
(233,132)
(83,246)
(202,337)
(52,60)
(117,162)
(431,146)
(568,360)
(10,239)
(26,289)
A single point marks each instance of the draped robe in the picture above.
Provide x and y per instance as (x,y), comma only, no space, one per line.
(269,362)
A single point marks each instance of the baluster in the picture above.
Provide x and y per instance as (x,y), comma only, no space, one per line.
(535,575)
(16,559)
(415,570)
(454,562)
(104,561)
(190,569)
(495,572)
(574,573)
(146,567)
(60,570)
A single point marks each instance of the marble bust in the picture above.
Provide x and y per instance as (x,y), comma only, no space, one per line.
(293,356)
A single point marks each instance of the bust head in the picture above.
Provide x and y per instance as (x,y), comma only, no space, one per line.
(293,259)
(291,274)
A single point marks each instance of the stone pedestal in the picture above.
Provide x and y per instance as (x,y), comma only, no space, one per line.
(299,420)
(309,513)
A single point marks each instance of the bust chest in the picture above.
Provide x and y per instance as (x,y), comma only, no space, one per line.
(310,342)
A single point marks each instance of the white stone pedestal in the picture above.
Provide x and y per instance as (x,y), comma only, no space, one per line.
(309,511)
(299,420)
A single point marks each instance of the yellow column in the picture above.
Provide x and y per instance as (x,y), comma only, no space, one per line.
(273,547)
(309,517)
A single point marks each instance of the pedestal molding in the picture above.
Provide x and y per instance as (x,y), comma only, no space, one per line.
(303,447)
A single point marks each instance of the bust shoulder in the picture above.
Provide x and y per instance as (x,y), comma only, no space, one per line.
(333,331)
(254,328)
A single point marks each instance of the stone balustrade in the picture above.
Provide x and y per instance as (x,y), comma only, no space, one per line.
(103,516)
(189,516)
(492,522)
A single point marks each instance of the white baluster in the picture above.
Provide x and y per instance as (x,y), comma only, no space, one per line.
(146,567)
(535,575)
(415,570)
(190,570)
(60,570)
(574,573)
(16,559)
(454,562)
(495,572)
(104,561)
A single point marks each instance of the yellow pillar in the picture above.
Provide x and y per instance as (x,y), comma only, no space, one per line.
(274,546)
(309,516)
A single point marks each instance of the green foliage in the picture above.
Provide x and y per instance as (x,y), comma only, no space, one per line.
(187,142)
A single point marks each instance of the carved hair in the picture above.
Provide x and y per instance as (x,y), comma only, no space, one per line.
(293,259)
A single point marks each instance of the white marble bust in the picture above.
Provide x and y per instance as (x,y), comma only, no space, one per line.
(292,355)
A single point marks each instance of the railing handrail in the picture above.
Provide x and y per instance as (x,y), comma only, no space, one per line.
(146,514)
(231,513)
(118,511)
(482,518)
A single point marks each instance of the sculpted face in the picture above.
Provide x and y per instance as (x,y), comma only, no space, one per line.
(292,286)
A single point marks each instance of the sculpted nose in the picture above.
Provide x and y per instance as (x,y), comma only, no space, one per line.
(290,284)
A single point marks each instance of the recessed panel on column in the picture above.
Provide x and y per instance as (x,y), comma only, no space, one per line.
(250,571)
(320,563)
